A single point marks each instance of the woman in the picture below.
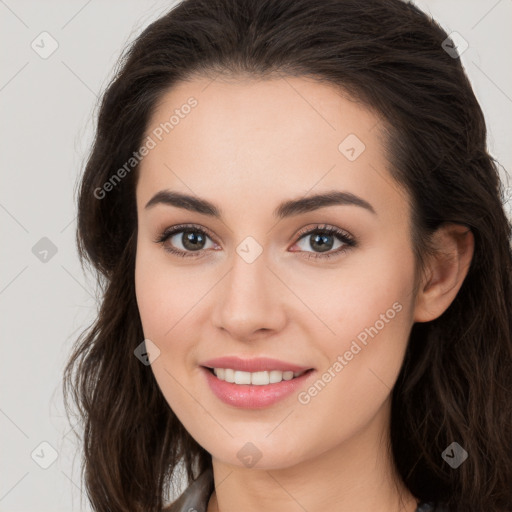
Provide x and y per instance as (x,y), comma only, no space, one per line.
(300,237)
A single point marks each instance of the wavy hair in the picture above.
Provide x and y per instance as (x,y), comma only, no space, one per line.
(456,379)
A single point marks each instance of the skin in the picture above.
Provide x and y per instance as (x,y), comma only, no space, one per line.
(247,146)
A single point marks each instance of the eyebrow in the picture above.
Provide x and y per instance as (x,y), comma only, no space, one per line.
(285,209)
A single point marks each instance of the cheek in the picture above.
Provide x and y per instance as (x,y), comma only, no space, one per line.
(153,285)
(171,300)
(162,300)
(162,290)
(366,312)
(383,327)
(371,317)
(347,298)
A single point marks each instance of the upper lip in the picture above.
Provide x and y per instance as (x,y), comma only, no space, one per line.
(253,365)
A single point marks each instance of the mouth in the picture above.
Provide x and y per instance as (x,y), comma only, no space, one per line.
(254,390)
(260,378)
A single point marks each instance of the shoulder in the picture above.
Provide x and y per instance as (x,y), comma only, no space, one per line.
(195,496)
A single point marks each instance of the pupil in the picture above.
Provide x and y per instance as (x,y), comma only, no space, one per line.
(323,243)
(192,240)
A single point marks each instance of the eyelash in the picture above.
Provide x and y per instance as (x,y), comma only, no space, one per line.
(342,236)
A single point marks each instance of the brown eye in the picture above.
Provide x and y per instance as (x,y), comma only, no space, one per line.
(184,240)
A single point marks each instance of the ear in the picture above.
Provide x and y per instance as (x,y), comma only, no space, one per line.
(445,272)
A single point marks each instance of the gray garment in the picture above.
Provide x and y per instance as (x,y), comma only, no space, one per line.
(196,496)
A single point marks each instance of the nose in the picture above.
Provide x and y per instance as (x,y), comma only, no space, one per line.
(249,301)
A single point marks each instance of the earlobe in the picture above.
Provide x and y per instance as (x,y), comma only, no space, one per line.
(446,271)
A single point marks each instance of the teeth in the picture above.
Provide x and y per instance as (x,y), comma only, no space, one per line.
(255,378)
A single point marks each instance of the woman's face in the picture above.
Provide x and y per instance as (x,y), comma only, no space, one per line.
(253,284)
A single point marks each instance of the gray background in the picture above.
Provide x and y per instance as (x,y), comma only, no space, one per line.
(47,108)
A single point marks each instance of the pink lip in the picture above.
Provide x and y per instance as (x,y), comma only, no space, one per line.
(253,365)
(249,396)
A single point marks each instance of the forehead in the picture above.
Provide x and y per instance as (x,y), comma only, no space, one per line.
(262,139)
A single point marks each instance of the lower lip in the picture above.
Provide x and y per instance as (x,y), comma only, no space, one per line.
(249,396)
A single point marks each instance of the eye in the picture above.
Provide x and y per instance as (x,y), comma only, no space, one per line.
(191,237)
(323,238)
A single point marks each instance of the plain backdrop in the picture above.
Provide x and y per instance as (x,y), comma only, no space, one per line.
(47,108)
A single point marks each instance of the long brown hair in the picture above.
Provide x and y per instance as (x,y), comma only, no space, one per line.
(456,380)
